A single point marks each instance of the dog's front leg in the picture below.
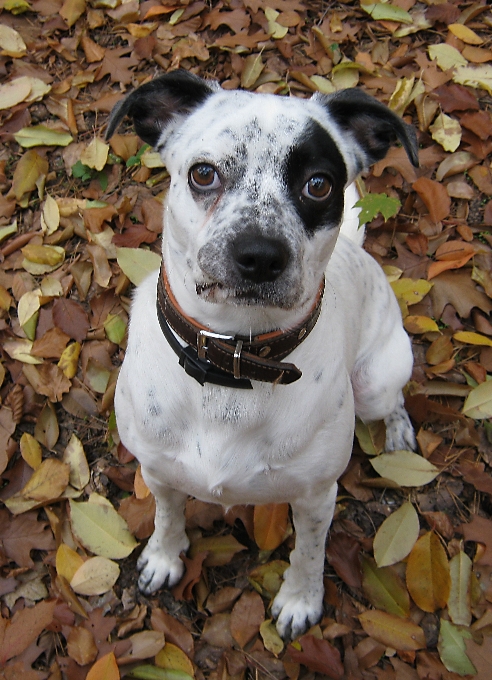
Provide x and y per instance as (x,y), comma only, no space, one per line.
(160,564)
(299,602)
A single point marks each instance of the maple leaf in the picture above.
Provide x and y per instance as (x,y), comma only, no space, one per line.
(23,533)
(116,65)
(373,204)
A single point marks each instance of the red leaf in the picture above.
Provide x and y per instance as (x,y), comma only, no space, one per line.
(71,318)
(319,656)
(343,555)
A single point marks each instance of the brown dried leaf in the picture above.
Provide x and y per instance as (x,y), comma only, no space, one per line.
(319,656)
(71,318)
(246,617)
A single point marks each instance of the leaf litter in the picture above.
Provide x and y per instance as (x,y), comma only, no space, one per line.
(79,226)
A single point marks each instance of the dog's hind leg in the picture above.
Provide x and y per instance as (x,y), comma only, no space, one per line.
(299,602)
(160,564)
(399,429)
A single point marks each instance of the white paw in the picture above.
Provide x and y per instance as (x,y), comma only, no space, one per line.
(399,431)
(296,609)
(157,568)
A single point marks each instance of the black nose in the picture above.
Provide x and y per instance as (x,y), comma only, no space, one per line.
(259,259)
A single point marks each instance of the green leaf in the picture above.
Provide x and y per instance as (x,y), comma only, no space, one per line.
(373,204)
(148,672)
(384,588)
(81,171)
(396,536)
(478,404)
(115,328)
(452,647)
(371,436)
(405,468)
(387,12)
(137,263)
(135,160)
(40,135)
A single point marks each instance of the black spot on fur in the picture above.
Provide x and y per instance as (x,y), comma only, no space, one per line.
(316,153)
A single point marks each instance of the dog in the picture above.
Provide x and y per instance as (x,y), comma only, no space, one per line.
(255,271)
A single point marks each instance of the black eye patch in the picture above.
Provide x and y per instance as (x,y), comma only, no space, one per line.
(315,155)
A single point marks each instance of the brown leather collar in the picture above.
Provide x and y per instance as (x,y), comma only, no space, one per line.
(231,360)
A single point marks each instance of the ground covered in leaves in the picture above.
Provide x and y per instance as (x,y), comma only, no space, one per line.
(409,559)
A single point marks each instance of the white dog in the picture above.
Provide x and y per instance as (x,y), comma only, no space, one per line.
(255,271)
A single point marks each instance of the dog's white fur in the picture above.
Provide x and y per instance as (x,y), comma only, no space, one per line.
(274,443)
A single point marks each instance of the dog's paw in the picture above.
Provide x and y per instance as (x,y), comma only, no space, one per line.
(399,431)
(157,569)
(296,610)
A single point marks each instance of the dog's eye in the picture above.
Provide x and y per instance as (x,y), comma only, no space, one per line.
(318,187)
(204,176)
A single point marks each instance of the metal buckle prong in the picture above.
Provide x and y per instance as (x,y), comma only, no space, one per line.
(202,338)
(236,363)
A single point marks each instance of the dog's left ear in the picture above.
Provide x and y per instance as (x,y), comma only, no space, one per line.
(372,125)
(153,105)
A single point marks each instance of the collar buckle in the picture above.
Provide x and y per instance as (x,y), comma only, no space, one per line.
(202,341)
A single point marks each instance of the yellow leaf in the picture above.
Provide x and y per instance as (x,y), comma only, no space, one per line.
(173,658)
(67,561)
(137,263)
(459,602)
(271,639)
(50,255)
(71,11)
(101,530)
(105,668)
(50,217)
(393,631)
(410,291)
(384,588)
(40,135)
(30,450)
(28,305)
(14,92)
(74,457)
(30,168)
(465,34)
(446,56)
(95,576)
(48,482)
(428,578)
(271,524)
(396,536)
(11,42)
(95,154)
(446,131)
(405,468)
(420,324)
(21,350)
(474,76)
(478,404)
(69,359)
(470,338)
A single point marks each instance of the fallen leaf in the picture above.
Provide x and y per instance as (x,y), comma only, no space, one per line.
(478,403)
(459,601)
(105,668)
(393,631)
(319,656)
(435,197)
(452,648)
(384,588)
(137,264)
(174,659)
(428,578)
(246,617)
(396,536)
(24,628)
(95,576)
(405,468)
(100,529)
(271,523)
(48,481)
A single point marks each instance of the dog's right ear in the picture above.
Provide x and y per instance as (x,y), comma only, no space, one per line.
(153,105)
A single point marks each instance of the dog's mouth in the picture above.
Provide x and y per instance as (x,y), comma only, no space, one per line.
(217,292)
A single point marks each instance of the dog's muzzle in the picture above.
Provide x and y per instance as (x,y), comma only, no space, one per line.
(230,361)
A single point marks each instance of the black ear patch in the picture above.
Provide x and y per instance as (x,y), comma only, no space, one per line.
(374,126)
(154,104)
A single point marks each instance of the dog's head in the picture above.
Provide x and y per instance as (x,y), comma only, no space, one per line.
(257,181)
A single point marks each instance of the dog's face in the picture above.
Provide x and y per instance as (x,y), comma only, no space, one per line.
(257,182)
(256,199)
